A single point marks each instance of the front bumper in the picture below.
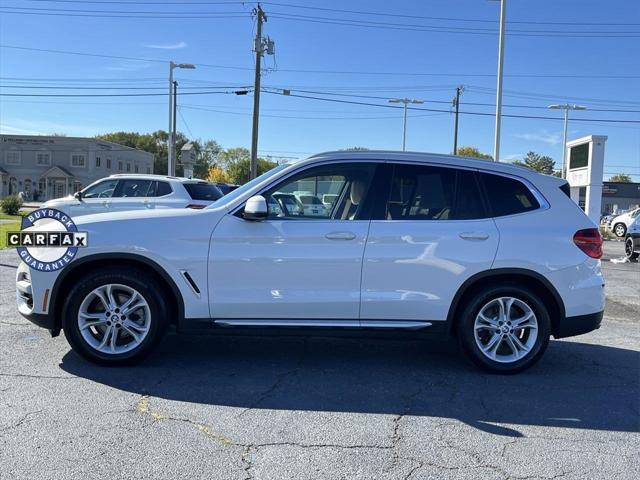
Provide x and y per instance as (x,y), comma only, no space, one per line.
(572,326)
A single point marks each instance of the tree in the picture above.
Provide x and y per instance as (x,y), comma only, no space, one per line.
(621,178)
(154,143)
(473,152)
(537,162)
(218,175)
(237,163)
(207,156)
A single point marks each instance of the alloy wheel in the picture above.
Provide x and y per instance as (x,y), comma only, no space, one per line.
(114,319)
(505,329)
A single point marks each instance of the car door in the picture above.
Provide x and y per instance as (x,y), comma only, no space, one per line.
(131,194)
(96,198)
(428,236)
(292,265)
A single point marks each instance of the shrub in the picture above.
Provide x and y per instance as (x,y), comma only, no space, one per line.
(11,204)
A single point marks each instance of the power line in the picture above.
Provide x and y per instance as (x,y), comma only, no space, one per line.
(444,29)
(335,10)
(95,95)
(322,71)
(539,117)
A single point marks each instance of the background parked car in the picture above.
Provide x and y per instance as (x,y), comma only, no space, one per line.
(226,188)
(632,240)
(620,224)
(312,205)
(135,192)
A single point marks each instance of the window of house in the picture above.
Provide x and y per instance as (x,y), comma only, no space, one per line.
(78,159)
(77,186)
(43,158)
(128,167)
(109,163)
(120,166)
(136,168)
(507,196)
(98,161)
(148,169)
(12,157)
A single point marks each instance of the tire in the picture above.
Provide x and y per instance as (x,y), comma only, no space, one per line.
(629,250)
(138,328)
(473,331)
(620,229)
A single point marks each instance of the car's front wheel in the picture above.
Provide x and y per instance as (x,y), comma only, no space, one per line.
(629,249)
(115,316)
(620,229)
(504,329)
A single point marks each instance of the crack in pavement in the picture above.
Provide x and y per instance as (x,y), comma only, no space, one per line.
(20,421)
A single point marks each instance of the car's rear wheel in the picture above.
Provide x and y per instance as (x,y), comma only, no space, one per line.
(629,250)
(504,329)
(620,229)
(115,316)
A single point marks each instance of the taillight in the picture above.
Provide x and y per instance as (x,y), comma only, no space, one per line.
(195,206)
(589,241)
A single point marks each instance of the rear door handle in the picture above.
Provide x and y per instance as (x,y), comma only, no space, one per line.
(340,236)
(474,235)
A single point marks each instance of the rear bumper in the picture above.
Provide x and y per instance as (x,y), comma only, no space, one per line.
(572,326)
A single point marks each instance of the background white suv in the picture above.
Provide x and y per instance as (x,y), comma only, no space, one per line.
(621,223)
(493,254)
(137,192)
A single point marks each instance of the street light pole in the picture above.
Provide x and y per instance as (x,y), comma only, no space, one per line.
(496,143)
(405,101)
(566,107)
(171,162)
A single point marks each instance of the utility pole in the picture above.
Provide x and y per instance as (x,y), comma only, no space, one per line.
(405,101)
(496,144)
(566,107)
(259,48)
(171,161)
(173,125)
(456,103)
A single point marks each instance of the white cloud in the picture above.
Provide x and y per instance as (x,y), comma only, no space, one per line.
(542,136)
(170,46)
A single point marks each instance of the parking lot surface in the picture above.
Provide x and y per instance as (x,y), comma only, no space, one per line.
(238,407)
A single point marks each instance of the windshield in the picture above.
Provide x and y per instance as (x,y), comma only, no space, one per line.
(238,192)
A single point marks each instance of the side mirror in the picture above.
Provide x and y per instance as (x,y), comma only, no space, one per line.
(78,195)
(255,209)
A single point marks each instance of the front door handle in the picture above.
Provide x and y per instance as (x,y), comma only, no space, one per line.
(340,236)
(474,235)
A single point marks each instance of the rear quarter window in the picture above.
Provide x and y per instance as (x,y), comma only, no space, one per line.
(203,191)
(507,196)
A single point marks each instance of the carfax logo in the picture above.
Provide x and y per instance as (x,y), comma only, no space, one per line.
(53,245)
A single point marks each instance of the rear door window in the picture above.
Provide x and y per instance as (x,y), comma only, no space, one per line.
(203,191)
(507,196)
(133,188)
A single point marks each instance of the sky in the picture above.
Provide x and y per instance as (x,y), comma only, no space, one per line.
(351,56)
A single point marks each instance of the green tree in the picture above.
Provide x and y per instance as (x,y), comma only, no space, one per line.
(154,143)
(473,152)
(621,178)
(207,157)
(537,162)
(237,163)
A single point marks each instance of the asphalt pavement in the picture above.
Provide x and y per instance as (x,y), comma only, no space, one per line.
(312,407)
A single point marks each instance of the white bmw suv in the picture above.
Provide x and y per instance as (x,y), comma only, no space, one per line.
(493,254)
(124,191)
